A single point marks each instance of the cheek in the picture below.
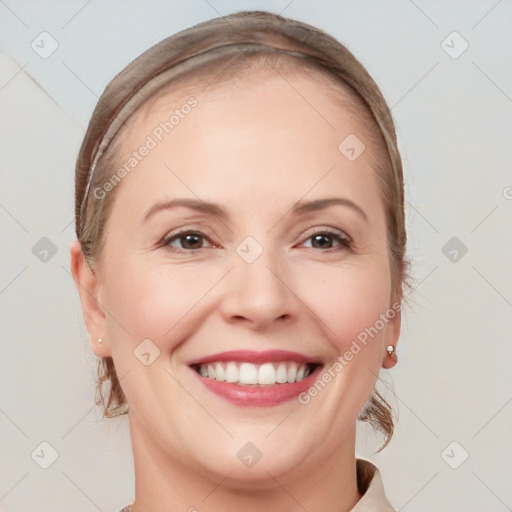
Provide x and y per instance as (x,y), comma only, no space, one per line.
(348,300)
(155,301)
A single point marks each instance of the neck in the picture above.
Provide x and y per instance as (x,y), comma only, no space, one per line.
(165,484)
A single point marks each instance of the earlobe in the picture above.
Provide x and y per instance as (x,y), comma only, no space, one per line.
(390,359)
(88,285)
(391,339)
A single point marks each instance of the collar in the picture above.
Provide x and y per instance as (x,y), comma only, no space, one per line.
(369,483)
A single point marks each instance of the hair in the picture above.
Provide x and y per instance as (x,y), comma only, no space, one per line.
(248,40)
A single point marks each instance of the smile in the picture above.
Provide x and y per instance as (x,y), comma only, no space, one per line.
(257,379)
(248,374)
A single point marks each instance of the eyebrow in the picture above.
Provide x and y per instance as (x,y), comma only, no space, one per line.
(299,208)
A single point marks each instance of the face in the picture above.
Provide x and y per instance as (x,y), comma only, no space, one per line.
(246,246)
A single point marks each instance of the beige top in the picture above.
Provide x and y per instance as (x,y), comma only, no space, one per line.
(370,487)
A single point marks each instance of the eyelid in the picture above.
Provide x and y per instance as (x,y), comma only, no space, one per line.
(184,230)
(333,231)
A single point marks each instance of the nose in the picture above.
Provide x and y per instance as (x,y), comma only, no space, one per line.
(258,295)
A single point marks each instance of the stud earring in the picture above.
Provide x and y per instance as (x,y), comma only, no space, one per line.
(100,340)
(390,349)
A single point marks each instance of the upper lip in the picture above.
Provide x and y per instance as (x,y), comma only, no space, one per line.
(256,357)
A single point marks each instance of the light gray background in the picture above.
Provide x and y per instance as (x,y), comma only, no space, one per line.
(453,115)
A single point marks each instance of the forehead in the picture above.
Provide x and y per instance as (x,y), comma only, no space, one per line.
(275,114)
(278,136)
(242,74)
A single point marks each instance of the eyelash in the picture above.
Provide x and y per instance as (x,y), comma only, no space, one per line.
(344,241)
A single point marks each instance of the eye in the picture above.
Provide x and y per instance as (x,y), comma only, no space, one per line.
(186,241)
(327,240)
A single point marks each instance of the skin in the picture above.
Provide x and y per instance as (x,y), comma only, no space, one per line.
(255,159)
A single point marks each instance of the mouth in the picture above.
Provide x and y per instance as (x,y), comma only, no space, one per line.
(249,374)
(257,379)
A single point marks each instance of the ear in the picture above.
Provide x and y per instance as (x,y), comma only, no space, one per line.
(88,284)
(392,334)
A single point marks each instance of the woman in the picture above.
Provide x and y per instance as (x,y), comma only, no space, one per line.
(240,263)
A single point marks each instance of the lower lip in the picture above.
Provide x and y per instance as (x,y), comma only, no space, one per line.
(259,396)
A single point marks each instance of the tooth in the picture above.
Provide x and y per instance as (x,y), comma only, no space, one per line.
(248,374)
(281,373)
(267,374)
(220,374)
(292,373)
(231,372)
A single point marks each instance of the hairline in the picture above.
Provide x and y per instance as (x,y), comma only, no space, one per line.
(193,81)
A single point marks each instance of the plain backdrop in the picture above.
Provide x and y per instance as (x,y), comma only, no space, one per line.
(444,68)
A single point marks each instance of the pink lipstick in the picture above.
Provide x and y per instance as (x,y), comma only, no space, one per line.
(258,379)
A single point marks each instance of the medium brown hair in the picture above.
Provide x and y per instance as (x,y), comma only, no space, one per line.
(271,39)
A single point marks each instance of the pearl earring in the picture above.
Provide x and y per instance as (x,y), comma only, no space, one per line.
(390,349)
(100,340)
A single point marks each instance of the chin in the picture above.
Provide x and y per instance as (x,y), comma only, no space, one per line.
(253,463)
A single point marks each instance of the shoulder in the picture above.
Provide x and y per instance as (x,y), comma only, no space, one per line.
(371,488)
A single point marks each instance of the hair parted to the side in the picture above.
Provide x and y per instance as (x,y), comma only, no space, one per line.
(282,41)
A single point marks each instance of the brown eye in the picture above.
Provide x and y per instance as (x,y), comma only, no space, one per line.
(186,241)
(322,241)
(327,240)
